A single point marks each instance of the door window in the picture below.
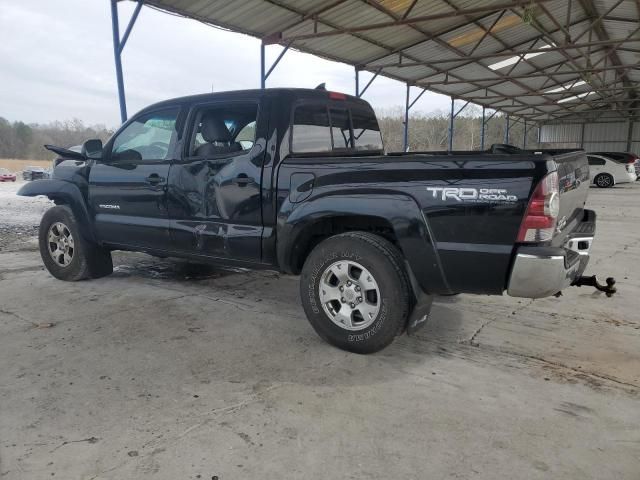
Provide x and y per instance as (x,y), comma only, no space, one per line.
(223,129)
(596,161)
(151,136)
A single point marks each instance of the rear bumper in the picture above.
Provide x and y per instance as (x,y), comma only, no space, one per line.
(539,272)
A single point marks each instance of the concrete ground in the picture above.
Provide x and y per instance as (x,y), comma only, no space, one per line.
(170,371)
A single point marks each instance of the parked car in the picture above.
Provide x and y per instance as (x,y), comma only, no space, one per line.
(605,172)
(623,157)
(34,173)
(297,180)
(7,176)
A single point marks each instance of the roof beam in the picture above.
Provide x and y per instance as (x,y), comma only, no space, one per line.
(439,41)
(488,56)
(371,41)
(308,16)
(568,40)
(527,76)
(602,34)
(444,44)
(564,92)
(419,19)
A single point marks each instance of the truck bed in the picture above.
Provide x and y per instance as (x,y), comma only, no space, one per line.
(466,207)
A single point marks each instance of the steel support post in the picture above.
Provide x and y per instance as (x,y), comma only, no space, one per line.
(115,27)
(264,73)
(451,118)
(506,130)
(482,129)
(118,46)
(630,134)
(263,78)
(405,142)
(359,93)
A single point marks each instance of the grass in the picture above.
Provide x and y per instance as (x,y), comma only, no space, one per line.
(17,165)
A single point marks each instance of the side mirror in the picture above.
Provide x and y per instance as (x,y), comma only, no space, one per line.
(92,149)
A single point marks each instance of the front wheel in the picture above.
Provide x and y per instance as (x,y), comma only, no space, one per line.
(65,253)
(355,291)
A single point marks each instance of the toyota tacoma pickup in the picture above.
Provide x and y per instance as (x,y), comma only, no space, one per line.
(297,180)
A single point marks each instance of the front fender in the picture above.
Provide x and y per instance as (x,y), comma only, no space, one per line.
(63,192)
(400,211)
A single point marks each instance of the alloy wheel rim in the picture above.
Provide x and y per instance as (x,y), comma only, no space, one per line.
(60,244)
(349,295)
(604,181)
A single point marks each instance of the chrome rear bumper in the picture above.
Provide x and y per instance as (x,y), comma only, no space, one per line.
(539,272)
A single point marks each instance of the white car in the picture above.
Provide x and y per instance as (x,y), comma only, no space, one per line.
(604,172)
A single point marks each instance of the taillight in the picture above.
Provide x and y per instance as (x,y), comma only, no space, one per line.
(630,168)
(337,96)
(541,216)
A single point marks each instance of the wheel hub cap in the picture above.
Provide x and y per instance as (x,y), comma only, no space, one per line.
(60,244)
(350,295)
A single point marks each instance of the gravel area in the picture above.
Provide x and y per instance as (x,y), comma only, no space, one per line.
(19,217)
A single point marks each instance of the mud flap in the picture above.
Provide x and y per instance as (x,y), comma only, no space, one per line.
(420,313)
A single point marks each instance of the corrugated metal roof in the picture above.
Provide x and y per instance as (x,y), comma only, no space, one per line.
(498,53)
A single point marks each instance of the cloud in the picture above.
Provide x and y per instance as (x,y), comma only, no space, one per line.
(57,63)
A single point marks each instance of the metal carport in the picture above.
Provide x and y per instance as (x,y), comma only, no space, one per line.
(542,62)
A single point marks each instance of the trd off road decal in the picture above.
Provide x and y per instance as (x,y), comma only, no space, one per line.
(472,195)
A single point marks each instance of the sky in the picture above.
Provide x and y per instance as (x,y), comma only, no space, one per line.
(56,63)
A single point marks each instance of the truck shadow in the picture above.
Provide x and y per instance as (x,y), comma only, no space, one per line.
(263,336)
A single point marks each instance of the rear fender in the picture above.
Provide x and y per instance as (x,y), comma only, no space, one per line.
(63,193)
(400,211)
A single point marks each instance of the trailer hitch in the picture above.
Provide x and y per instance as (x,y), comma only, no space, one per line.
(609,289)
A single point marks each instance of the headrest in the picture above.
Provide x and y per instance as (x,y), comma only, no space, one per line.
(213,129)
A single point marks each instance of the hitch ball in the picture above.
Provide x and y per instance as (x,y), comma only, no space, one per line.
(609,289)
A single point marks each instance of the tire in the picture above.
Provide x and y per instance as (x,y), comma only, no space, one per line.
(381,310)
(66,254)
(604,180)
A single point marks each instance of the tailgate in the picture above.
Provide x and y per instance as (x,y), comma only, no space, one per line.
(573,179)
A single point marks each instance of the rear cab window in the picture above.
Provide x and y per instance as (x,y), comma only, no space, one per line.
(346,128)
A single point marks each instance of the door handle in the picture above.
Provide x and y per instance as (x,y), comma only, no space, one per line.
(243,180)
(154,179)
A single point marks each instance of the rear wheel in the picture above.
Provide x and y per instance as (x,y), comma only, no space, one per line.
(65,253)
(604,180)
(355,291)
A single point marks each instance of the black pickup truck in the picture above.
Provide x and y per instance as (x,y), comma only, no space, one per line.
(297,180)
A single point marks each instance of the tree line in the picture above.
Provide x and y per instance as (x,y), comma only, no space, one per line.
(427,132)
(25,141)
(430,131)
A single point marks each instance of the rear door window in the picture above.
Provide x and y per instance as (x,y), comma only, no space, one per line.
(223,129)
(596,161)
